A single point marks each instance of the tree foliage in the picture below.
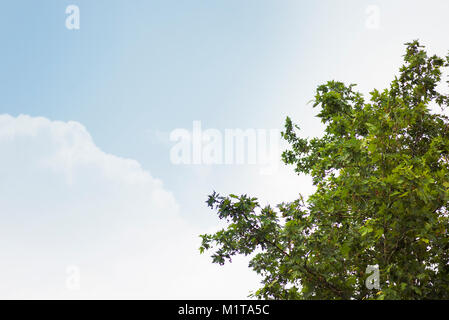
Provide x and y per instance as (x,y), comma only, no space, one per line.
(381,173)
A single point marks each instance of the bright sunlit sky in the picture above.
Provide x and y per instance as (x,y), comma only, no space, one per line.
(88,194)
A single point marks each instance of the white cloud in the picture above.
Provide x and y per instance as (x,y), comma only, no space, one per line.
(64,202)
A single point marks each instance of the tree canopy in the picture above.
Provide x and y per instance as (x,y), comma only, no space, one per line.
(381,172)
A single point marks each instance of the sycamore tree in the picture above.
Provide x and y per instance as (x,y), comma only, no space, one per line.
(381,174)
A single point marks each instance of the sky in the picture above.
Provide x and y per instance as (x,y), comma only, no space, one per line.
(91,202)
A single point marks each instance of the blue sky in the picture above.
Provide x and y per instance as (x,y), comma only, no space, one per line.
(136,70)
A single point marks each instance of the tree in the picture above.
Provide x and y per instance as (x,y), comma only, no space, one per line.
(381,173)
